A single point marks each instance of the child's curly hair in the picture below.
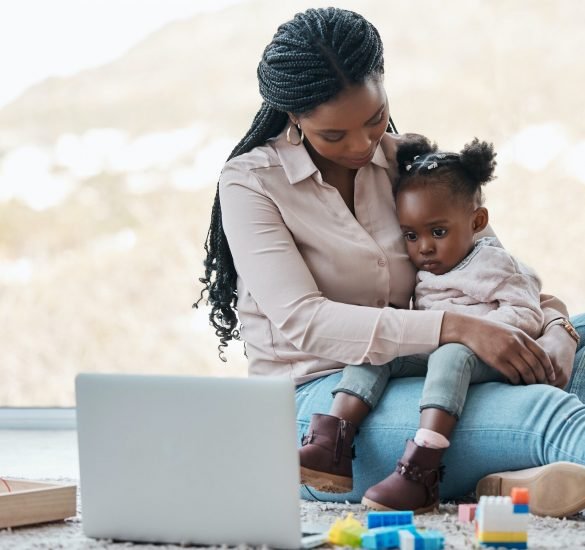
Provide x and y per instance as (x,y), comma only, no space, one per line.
(421,162)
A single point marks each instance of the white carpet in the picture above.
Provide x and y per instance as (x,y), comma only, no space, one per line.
(52,456)
(543,534)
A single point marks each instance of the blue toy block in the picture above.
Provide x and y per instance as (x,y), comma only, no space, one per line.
(521,508)
(421,540)
(387,519)
(384,537)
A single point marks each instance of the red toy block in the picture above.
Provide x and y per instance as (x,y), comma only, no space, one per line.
(520,495)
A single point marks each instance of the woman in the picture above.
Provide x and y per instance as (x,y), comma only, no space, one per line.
(304,241)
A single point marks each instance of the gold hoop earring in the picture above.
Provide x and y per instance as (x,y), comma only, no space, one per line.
(301,138)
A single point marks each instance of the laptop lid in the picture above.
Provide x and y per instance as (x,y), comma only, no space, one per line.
(188,460)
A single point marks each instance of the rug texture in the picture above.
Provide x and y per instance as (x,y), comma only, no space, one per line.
(543,533)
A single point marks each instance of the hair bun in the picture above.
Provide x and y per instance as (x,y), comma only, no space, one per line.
(410,146)
(478,159)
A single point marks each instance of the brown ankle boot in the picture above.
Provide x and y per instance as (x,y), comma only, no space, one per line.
(327,453)
(414,485)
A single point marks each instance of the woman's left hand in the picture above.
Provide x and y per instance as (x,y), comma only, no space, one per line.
(561,349)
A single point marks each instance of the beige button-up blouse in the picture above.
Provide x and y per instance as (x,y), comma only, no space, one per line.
(317,287)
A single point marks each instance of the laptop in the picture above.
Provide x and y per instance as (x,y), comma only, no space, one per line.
(192,460)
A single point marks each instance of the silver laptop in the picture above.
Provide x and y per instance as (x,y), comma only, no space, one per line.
(175,459)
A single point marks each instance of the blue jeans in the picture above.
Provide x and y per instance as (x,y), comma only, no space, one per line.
(449,371)
(502,427)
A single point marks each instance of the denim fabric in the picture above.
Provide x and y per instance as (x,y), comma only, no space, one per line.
(576,384)
(452,368)
(502,427)
(449,371)
(368,382)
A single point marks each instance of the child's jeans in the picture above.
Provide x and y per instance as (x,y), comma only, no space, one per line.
(449,371)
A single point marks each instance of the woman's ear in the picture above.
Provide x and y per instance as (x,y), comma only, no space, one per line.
(480,219)
(294,120)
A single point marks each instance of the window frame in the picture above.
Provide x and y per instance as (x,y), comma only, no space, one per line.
(38,418)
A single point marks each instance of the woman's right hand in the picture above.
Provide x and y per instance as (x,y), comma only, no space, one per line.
(507,349)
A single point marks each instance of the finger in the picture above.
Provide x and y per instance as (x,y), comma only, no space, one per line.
(511,373)
(532,367)
(525,370)
(561,379)
(504,367)
(542,358)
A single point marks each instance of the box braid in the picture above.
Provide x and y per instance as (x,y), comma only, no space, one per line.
(309,61)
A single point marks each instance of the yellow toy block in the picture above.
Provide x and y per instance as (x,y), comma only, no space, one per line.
(346,532)
(502,536)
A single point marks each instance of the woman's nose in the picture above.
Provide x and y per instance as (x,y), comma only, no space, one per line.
(361,144)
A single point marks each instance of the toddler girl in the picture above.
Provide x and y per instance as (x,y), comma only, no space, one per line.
(439,204)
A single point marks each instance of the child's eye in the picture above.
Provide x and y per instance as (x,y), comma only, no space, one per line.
(439,232)
(409,236)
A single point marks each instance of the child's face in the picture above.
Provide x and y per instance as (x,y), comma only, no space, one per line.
(438,229)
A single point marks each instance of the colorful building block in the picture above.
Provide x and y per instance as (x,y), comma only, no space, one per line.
(502,522)
(387,519)
(421,540)
(520,495)
(504,536)
(497,514)
(384,537)
(499,545)
(467,512)
(346,532)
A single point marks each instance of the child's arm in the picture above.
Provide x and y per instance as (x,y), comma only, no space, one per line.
(518,299)
(551,307)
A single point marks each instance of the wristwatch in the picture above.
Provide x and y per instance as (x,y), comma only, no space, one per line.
(568,326)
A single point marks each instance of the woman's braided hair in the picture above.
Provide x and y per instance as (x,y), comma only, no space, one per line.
(310,60)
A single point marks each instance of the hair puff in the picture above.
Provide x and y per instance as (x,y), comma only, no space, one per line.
(478,159)
(412,145)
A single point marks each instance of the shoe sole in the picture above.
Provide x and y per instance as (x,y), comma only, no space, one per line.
(380,507)
(326,483)
(556,490)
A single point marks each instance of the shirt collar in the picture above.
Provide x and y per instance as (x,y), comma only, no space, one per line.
(297,162)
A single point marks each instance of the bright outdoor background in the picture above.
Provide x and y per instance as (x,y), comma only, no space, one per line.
(116,115)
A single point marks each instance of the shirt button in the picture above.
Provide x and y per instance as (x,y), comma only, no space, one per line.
(381,262)
(381,303)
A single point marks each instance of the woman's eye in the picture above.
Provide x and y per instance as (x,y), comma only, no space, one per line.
(409,236)
(332,139)
(378,119)
(439,232)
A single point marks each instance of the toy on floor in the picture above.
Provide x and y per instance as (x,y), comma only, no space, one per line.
(421,540)
(503,521)
(24,502)
(466,512)
(346,532)
(385,537)
(388,519)
(385,530)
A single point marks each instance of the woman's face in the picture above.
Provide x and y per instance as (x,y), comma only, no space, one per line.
(347,129)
